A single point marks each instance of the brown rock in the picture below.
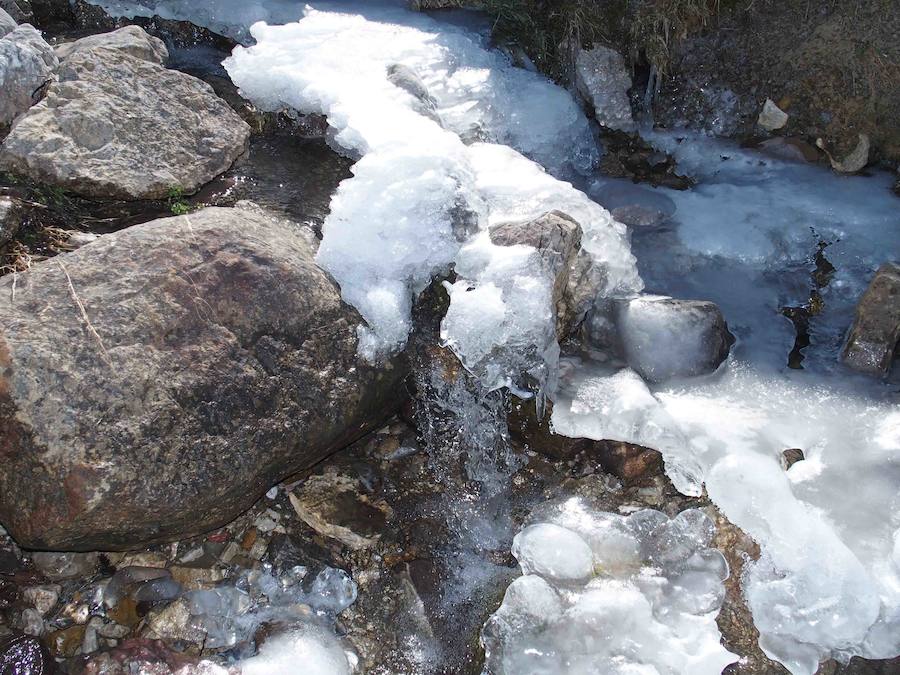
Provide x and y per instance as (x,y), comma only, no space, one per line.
(527,430)
(155,383)
(875,333)
(64,643)
(790,457)
(632,463)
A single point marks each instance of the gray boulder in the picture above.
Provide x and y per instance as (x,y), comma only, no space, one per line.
(19,10)
(116,125)
(132,40)
(557,237)
(873,338)
(11,216)
(7,23)
(27,63)
(603,82)
(156,382)
(663,337)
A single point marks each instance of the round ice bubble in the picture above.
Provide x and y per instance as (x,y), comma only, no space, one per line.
(553,552)
(621,617)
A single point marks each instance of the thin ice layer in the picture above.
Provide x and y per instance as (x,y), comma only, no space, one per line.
(420,194)
(602,593)
(748,237)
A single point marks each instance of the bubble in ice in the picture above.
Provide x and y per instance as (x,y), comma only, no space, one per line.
(600,594)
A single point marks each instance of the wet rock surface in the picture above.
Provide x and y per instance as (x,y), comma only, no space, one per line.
(166,131)
(24,655)
(873,338)
(188,379)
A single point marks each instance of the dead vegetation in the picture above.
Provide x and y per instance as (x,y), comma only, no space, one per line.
(647,29)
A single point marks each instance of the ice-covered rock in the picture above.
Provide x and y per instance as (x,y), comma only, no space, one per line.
(873,338)
(603,82)
(7,23)
(27,63)
(557,239)
(730,433)
(553,552)
(802,610)
(606,593)
(665,337)
(165,131)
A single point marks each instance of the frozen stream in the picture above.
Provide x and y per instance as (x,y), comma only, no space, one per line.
(450,139)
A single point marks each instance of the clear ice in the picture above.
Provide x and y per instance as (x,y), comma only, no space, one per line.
(605,593)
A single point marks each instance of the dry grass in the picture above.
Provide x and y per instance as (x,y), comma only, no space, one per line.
(547,30)
(658,25)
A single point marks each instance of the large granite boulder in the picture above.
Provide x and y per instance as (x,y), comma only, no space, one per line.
(156,382)
(132,40)
(120,125)
(875,334)
(27,63)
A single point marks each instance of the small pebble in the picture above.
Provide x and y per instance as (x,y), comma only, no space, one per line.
(43,598)
(32,622)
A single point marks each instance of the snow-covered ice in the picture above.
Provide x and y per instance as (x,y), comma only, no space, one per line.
(428,185)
